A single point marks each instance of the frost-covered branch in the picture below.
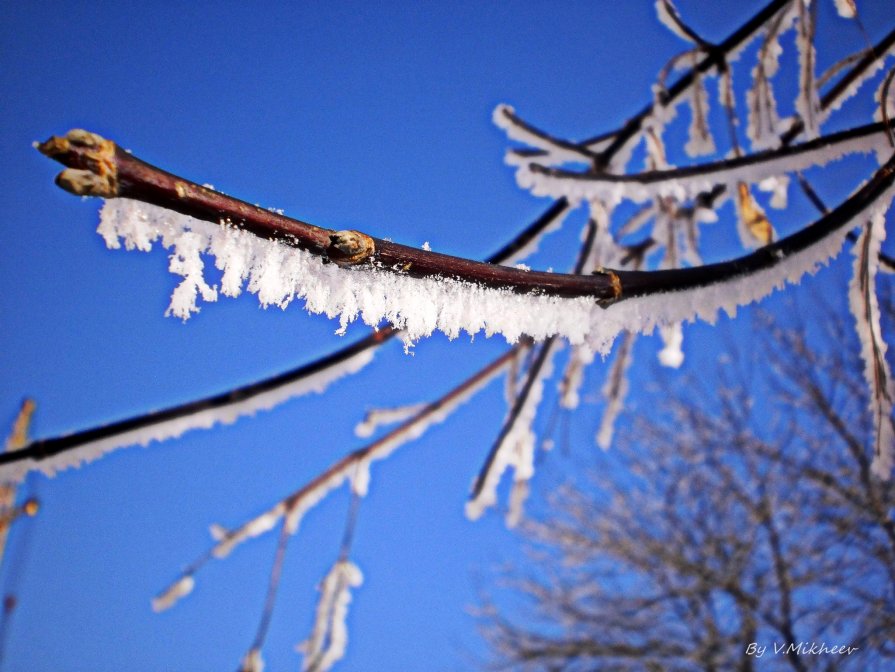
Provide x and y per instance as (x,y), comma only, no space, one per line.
(849,84)
(865,308)
(713,58)
(807,101)
(864,66)
(539,304)
(607,146)
(99,167)
(671,19)
(17,439)
(615,390)
(876,192)
(69,450)
(515,443)
(73,449)
(353,468)
(252,661)
(690,181)
(556,149)
(328,640)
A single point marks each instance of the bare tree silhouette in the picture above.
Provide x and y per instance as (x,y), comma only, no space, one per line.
(731,530)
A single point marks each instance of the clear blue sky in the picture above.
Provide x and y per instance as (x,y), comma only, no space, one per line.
(344,114)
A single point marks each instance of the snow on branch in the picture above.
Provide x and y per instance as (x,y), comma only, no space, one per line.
(123,177)
(379,417)
(763,120)
(757,274)
(554,149)
(252,661)
(873,61)
(72,450)
(276,258)
(669,16)
(353,468)
(515,444)
(614,147)
(847,9)
(700,141)
(690,181)
(807,101)
(885,99)
(716,56)
(865,307)
(329,637)
(54,454)
(615,390)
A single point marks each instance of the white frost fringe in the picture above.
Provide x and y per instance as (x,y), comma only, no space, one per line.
(807,100)
(846,8)
(614,189)
(699,135)
(293,508)
(555,153)
(180,588)
(865,307)
(615,390)
(516,450)
(329,638)
(663,13)
(279,274)
(379,417)
(204,419)
(672,355)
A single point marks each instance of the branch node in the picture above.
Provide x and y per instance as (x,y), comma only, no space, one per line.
(614,282)
(349,248)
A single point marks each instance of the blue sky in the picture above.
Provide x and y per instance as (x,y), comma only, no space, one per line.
(351,115)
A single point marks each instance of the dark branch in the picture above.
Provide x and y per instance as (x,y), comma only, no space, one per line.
(641,283)
(714,58)
(49,447)
(342,466)
(715,169)
(46,448)
(531,377)
(115,173)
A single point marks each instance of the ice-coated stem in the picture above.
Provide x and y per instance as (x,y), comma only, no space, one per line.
(92,442)
(714,57)
(118,174)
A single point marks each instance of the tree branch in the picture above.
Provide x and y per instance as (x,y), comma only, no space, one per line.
(98,167)
(236,402)
(713,58)
(128,176)
(691,179)
(349,467)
